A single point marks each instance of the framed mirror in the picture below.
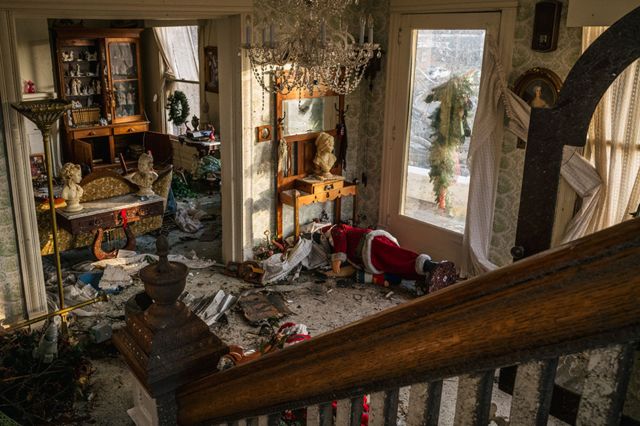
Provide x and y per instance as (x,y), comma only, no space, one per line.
(300,118)
(309,115)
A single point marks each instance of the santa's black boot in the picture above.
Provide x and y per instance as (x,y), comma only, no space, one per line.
(439,275)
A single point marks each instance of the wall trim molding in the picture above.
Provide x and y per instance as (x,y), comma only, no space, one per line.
(17,150)
(127,9)
(443,6)
(231,68)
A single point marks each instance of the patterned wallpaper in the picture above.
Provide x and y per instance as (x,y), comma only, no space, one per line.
(364,117)
(512,162)
(11,296)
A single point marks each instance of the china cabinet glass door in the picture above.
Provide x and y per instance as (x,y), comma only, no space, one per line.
(125,79)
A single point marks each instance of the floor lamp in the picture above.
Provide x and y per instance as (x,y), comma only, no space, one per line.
(44,113)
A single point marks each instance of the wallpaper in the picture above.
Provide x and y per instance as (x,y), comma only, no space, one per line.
(559,61)
(364,119)
(11,307)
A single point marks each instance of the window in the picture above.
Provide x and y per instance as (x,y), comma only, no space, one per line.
(179,50)
(440,56)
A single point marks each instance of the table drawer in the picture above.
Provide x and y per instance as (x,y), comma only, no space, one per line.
(90,133)
(88,223)
(130,128)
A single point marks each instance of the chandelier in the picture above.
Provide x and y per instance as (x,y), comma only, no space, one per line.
(297,45)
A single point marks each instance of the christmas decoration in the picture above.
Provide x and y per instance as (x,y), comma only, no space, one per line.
(449,129)
(178,107)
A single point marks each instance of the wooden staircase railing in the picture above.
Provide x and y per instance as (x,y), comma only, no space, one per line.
(584,295)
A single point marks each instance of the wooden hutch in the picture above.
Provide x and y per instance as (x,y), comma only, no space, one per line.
(99,71)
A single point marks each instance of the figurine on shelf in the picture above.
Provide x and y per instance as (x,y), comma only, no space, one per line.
(72,191)
(75,87)
(92,56)
(103,121)
(130,99)
(145,176)
(67,56)
(96,87)
(324,159)
(121,99)
(78,72)
(29,86)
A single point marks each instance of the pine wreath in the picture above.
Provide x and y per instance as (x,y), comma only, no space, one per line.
(449,129)
(178,107)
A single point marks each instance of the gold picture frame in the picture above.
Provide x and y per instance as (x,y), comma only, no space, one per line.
(539,87)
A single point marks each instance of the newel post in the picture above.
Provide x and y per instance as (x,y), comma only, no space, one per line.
(165,346)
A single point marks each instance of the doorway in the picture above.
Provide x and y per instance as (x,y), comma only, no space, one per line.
(439,67)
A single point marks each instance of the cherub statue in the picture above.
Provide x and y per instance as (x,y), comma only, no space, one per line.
(324,159)
(72,191)
(145,176)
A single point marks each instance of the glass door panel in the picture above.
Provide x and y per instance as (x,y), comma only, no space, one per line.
(445,81)
(438,62)
(123,69)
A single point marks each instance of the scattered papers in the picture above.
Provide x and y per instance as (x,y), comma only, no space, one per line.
(115,278)
(211,308)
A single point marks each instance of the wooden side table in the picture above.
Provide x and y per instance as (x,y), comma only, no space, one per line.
(110,213)
(327,191)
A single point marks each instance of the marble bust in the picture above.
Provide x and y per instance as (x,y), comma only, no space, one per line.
(145,176)
(324,159)
(72,191)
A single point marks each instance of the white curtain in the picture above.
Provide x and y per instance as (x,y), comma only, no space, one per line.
(179,51)
(495,100)
(613,146)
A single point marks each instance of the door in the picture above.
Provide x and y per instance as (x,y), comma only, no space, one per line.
(438,69)
(123,58)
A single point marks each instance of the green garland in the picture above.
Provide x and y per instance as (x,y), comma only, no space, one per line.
(449,129)
(178,107)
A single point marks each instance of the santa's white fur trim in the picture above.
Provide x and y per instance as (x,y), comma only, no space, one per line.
(420,261)
(366,249)
(339,256)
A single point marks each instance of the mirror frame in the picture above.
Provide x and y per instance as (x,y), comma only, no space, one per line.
(302,140)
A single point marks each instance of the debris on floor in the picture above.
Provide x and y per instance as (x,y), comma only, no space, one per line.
(211,308)
(188,218)
(257,307)
(46,390)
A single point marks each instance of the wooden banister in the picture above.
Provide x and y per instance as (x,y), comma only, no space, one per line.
(578,296)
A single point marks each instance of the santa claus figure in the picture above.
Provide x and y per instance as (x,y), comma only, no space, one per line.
(378,252)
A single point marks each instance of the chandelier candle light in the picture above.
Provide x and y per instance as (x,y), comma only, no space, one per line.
(306,46)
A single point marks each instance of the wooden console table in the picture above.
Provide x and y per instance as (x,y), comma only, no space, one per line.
(319,193)
(110,213)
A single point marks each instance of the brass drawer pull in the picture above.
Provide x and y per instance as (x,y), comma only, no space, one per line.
(130,130)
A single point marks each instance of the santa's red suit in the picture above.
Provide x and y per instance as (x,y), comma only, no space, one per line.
(376,251)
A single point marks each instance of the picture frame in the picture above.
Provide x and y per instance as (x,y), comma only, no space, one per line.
(211,83)
(539,87)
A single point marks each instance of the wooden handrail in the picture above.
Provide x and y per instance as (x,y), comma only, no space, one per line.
(575,297)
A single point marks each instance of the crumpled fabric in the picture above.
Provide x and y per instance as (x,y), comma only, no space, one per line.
(276,268)
(188,219)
